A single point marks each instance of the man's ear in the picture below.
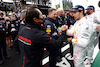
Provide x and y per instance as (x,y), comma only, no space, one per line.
(49,13)
(82,12)
(35,19)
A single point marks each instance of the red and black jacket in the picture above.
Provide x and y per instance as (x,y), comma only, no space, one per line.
(31,42)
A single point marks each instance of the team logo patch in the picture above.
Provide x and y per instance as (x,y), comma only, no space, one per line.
(48,30)
(48,26)
(74,31)
(42,25)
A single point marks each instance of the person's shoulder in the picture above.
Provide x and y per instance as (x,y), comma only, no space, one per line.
(82,20)
(96,12)
(86,22)
(32,31)
(40,33)
(48,22)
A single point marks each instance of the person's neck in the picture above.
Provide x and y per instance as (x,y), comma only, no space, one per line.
(91,13)
(81,17)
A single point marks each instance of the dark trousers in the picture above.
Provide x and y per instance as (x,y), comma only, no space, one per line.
(14,34)
(15,44)
(3,45)
(59,53)
(53,51)
(99,43)
(71,49)
(52,57)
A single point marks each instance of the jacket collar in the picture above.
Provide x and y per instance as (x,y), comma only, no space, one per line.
(48,18)
(32,25)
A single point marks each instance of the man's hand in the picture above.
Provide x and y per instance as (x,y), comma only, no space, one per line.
(3,29)
(64,28)
(59,32)
(6,32)
(69,39)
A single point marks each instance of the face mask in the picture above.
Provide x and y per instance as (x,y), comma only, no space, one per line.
(43,20)
(61,16)
(40,21)
(88,12)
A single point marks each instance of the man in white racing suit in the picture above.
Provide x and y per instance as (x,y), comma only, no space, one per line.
(81,32)
(97,20)
(90,16)
(94,18)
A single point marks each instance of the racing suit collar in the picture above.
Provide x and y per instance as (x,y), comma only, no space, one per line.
(80,19)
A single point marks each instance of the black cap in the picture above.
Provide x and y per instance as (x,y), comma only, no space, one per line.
(77,8)
(90,7)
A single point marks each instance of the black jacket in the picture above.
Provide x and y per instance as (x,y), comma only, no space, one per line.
(2,32)
(70,20)
(31,42)
(50,28)
(3,7)
(59,21)
(9,8)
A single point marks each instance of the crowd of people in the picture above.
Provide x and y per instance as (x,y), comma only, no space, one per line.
(9,27)
(30,33)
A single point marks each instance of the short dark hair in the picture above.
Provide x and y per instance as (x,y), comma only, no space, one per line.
(30,14)
(50,10)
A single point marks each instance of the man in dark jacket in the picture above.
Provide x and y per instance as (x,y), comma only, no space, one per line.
(32,39)
(60,17)
(9,8)
(70,19)
(3,41)
(70,22)
(2,6)
(51,30)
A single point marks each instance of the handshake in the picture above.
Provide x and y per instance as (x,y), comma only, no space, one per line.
(64,28)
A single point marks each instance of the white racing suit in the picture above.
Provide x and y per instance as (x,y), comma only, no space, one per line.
(96,18)
(82,31)
(90,47)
